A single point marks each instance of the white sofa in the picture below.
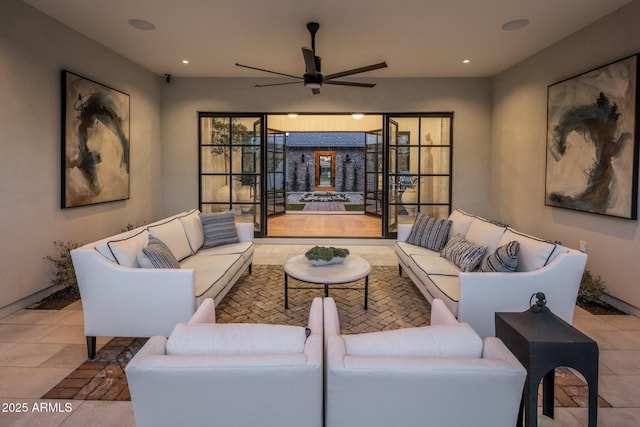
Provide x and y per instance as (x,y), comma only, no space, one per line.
(120,298)
(233,375)
(474,297)
(440,375)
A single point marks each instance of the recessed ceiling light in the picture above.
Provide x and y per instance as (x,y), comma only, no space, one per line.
(185,61)
(516,24)
(466,61)
(292,115)
(357,116)
(141,24)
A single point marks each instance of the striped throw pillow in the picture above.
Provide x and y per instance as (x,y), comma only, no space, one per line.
(463,253)
(219,229)
(429,232)
(503,260)
(157,255)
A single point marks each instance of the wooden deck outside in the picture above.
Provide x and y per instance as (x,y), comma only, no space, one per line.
(324,225)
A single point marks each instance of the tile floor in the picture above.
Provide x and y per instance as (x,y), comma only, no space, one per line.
(39,348)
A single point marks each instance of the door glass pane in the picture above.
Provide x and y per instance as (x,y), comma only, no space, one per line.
(419,167)
(275,173)
(434,189)
(436,160)
(325,171)
(230,156)
(374,173)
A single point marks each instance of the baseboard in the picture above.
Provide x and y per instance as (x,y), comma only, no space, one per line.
(621,305)
(27,301)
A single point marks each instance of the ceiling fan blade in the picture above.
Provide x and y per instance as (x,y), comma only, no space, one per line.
(268,71)
(315,91)
(309,61)
(355,71)
(338,82)
(278,84)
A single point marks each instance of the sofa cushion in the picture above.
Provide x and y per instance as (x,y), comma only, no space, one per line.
(460,222)
(534,253)
(430,233)
(173,235)
(125,251)
(243,248)
(235,339)
(484,233)
(463,253)
(157,255)
(503,260)
(193,229)
(435,265)
(212,272)
(219,229)
(436,341)
(448,288)
(405,250)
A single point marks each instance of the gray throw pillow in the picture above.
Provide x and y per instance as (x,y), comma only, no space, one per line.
(219,229)
(429,232)
(157,255)
(503,260)
(463,253)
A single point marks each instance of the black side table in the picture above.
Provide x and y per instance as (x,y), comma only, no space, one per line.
(542,342)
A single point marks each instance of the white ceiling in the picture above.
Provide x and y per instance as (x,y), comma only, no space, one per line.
(417,38)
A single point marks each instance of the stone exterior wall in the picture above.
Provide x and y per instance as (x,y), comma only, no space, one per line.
(349,169)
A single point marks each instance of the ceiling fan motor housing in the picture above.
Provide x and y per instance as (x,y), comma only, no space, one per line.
(310,79)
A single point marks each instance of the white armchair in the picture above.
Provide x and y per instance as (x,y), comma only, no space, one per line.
(230,374)
(441,375)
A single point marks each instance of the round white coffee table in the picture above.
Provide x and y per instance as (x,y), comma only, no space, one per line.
(352,269)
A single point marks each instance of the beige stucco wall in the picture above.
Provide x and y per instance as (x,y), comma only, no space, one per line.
(33,50)
(519,126)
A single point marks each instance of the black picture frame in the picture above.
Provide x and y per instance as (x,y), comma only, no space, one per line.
(592,141)
(95,142)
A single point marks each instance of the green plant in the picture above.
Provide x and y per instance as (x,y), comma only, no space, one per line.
(130,227)
(353,208)
(591,288)
(325,253)
(295,206)
(65,274)
(226,136)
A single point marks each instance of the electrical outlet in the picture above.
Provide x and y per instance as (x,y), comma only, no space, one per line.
(583,246)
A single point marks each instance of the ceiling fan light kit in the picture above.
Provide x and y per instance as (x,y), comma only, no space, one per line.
(312,77)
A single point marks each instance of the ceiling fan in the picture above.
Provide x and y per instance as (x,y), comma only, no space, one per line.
(313,78)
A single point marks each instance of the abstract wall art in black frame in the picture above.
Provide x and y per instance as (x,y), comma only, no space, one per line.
(95,142)
(592,141)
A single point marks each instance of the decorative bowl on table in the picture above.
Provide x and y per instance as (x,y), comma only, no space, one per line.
(322,255)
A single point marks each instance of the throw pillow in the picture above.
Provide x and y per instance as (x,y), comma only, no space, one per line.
(450,341)
(463,253)
(125,251)
(503,260)
(219,229)
(429,232)
(157,255)
(193,229)
(534,253)
(173,235)
(235,339)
